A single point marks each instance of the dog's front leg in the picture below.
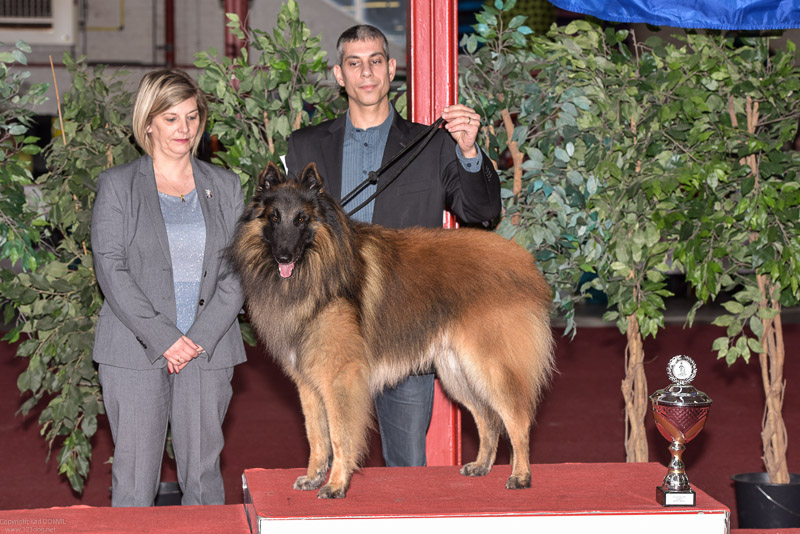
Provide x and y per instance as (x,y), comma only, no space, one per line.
(349,407)
(338,368)
(318,439)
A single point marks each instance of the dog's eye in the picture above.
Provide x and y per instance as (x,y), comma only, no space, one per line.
(274,218)
(301,219)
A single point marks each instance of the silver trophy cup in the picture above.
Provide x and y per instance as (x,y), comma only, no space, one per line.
(680,412)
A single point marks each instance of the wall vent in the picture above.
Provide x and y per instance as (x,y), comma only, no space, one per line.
(38,22)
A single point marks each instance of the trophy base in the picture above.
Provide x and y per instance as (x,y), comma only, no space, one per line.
(675,498)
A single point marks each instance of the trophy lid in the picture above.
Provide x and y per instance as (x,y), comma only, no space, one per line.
(681,370)
(678,395)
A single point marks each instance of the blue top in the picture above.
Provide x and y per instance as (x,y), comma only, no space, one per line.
(363,152)
(186,230)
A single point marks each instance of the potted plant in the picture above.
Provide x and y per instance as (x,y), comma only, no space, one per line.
(739,235)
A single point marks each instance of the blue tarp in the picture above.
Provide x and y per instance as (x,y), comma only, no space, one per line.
(709,14)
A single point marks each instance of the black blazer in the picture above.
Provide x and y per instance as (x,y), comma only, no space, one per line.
(434,181)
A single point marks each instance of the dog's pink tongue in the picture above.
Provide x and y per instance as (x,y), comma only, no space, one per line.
(286,269)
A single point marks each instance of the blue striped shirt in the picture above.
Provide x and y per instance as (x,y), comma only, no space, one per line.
(363,152)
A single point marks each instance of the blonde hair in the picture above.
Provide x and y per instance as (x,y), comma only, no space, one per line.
(158,91)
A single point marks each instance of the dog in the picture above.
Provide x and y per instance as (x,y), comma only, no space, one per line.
(348,309)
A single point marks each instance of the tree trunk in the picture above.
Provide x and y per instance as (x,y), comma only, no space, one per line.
(634,392)
(773,428)
(516,157)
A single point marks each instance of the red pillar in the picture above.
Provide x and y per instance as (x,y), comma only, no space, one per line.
(432,58)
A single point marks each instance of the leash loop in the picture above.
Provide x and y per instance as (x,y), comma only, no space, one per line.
(372,178)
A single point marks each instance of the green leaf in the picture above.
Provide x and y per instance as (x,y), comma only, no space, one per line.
(754,345)
(733,307)
(517,21)
(767,313)
(756,327)
(723,320)
(721,343)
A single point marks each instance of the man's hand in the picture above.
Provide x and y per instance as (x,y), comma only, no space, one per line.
(463,123)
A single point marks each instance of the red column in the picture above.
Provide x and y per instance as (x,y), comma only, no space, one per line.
(432,48)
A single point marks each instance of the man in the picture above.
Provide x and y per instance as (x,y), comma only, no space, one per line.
(451,172)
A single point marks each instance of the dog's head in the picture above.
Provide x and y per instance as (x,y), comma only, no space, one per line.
(288,212)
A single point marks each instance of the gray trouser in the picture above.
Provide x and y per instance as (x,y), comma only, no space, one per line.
(140,404)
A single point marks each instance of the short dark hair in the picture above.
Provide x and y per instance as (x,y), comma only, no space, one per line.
(360,32)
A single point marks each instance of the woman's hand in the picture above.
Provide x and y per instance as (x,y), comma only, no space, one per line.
(180,353)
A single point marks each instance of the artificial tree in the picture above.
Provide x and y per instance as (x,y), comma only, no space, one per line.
(57,300)
(740,233)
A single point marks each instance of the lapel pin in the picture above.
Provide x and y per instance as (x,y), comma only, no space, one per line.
(208,193)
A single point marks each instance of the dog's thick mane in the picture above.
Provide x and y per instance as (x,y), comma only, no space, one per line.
(327,268)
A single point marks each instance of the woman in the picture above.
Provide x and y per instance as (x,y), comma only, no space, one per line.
(167,337)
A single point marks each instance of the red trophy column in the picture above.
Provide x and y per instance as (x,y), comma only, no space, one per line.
(432,45)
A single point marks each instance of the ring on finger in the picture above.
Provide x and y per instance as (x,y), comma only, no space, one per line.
(469,120)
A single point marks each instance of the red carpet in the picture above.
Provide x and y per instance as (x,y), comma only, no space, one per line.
(581,420)
(388,492)
(172,519)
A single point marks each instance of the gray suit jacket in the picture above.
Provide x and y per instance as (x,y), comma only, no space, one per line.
(132,262)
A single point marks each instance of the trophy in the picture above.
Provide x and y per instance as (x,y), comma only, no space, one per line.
(680,412)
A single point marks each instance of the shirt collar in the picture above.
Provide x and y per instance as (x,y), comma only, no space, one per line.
(382,129)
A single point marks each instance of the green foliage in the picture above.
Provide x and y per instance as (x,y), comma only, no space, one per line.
(19,238)
(256,102)
(527,99)
(741,189)
(629,149)
(58,300)
(632,168)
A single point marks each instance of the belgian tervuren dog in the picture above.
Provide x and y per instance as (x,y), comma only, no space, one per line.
(349,308)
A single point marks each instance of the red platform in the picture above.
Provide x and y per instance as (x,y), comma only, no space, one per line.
(104,520)
(603,497)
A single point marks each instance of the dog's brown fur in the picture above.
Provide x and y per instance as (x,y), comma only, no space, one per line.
(365,306)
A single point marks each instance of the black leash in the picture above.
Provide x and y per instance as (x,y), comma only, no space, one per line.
(372,178)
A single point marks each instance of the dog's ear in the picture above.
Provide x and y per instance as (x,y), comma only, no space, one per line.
(310,178)
(269,178)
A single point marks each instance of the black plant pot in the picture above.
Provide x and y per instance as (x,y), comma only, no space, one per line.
(760,504)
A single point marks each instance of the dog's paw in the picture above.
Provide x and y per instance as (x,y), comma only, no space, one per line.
(515,482)
(329,492)
(474,469)
(306,483)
